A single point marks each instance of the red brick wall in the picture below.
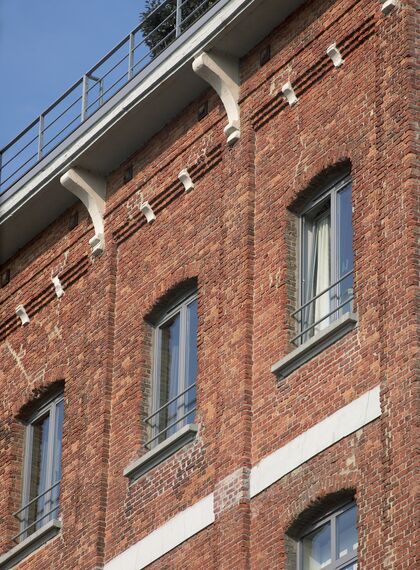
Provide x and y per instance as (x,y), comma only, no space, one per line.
(233,234)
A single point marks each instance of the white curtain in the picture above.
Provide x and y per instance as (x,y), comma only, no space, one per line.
(322,273)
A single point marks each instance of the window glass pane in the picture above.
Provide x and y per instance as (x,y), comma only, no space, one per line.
(169,370)
(317,549)
(38,471)
(191,358)
(317,268)
(352,566)
(56,474)
(345,246)
(346,533)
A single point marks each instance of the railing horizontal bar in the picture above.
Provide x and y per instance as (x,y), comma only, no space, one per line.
(109,54)
(169,402)
(35,498)
(63,113)
(322,292)
(107,90)
(193,12)
(19,136)
(62,131)
(20,167)
(58,101)
(169,427)
(11,159)
(349,300)
(37,521)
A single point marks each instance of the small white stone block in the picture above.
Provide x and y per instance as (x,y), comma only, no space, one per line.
(97,244)
(389,6)
(232,134)
(146,208)
(59,291)
(289,93)
(22,314)
(334,54)
(185,179)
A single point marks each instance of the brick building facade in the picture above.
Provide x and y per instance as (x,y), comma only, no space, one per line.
(286,437)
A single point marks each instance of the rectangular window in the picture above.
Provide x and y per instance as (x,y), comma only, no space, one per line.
(326,261)
(174,371)
(42,468)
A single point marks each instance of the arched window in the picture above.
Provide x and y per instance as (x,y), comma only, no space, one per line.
(42,466)
(330,542)
(174,369)
(326,259)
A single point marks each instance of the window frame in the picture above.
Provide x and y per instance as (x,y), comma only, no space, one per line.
(179,306)
(329,518)
(47,408)
(305,265)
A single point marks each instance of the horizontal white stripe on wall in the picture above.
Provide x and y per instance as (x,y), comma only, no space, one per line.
(162,540)
(192,520)
(343,422)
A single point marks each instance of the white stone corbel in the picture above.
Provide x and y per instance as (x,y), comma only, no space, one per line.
(334,54)
(185,179)
(289,93)
(22,314)
(389,6)
(59,291)
(147,210)
(221,71)
(91,190)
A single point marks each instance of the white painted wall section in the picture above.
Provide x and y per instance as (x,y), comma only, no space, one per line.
(343,422)
(177,530)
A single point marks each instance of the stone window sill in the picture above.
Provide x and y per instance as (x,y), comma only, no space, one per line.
(161,452)
(314,346)
(29,545)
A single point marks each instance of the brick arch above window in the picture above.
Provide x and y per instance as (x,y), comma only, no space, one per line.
(36,394)
(323,516)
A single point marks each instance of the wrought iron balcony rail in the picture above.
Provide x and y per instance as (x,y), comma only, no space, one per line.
(27,528)
(340,300)
(130,56)
(154,425)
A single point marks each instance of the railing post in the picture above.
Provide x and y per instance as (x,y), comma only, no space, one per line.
(178,20)
(130,55)
(40,136)
(84,98)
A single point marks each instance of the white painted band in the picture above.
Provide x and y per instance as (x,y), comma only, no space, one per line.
(343,422)
(162,540)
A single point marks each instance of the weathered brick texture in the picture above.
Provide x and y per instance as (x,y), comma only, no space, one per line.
(235,234)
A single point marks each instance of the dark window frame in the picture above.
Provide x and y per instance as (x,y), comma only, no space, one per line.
(183,416)
(329,518)
(324,200)
(51,497)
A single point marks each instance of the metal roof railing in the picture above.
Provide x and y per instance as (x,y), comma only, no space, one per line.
(130,56)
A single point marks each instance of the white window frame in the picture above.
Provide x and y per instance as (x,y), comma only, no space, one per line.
(180,306)
(48,408)
(329,518)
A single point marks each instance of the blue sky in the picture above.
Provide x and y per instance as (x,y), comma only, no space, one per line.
(46,45)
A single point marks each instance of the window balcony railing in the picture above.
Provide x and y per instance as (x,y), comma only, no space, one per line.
(340,302)
(160,426)
(160,28)
(50,501)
